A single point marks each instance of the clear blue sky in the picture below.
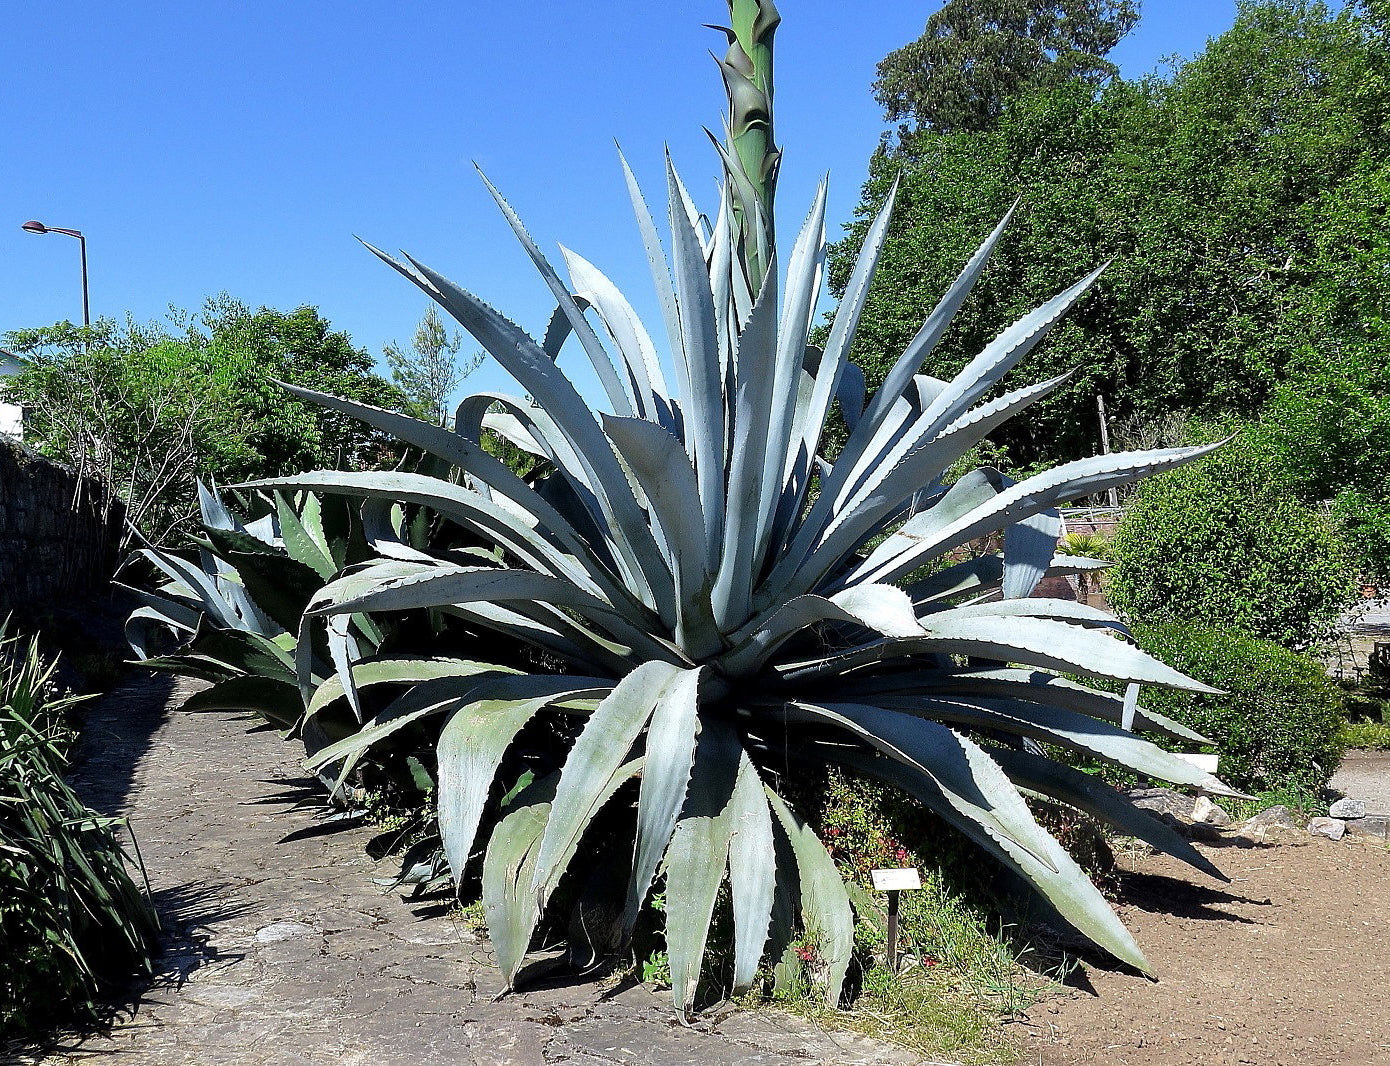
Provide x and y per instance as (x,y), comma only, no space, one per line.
(209,147)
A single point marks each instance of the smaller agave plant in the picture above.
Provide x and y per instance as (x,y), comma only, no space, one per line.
(715,605)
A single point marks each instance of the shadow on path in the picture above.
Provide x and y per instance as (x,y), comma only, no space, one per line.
(117,733)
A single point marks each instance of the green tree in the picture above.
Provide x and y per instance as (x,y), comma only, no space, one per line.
(976,55)
(429,371)
(146,407)
(1205,188)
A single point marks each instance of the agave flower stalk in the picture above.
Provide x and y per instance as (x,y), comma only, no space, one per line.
(717,623)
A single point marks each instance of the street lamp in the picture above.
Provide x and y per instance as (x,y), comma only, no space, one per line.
(38,227)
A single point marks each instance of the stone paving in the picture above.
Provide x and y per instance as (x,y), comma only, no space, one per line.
(280,949)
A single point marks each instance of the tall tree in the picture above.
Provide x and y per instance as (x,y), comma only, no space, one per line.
(976,55)
(1207,189)
(429,371)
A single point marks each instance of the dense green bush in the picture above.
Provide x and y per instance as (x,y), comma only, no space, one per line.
(73,919)
(1277,725)
(1222,543)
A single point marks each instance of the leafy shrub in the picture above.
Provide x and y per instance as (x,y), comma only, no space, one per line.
(1220,543)
(1277,727)
(73,920)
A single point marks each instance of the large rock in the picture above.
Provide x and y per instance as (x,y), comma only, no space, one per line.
(1348,808)
(1271,824)
(1204,810)
(1160,801)
(1374,826)
(1332,828)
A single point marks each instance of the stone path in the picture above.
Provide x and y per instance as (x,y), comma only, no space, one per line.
(281,951)
(1365,775)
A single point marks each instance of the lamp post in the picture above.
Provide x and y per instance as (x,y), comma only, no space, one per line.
(38,227)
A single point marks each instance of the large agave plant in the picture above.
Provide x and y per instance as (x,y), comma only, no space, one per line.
(719,603)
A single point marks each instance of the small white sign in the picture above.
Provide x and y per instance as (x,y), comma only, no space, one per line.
(896,880)
(1209,763)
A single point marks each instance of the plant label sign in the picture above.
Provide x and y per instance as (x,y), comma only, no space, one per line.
(896,880)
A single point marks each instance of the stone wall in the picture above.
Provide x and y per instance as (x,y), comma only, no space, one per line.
(58,540)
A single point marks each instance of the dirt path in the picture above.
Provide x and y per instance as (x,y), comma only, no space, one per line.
(1289,965)
(282,952)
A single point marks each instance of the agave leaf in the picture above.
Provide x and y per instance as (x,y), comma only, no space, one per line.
(985,574)
(588,773)
(1028,549)
(247,653)
(850,395)
(469,509)
(1056,725)
(752,878)
(663,471)
(202,667)
(1057,646)
(372,672)
(1069,481)
(538,375)
(205,588)
(738,564)
(897,380)
(470,749)
(510,905)
(1092,795)
(629,335)
(212,510)
(695,861)
(433,697)
(656,259)
(471,457)
(704,402)
(810,419)
(1004,353)
(447,585)
(1055,610)
(588,339)
(342,649)
(276,701)
(881,608)
(509,867)
(670,754)
(826,914)
(1032,685)
(918,460)
(301,546)
(803,287)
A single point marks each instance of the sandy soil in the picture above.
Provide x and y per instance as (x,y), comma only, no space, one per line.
(1289,965)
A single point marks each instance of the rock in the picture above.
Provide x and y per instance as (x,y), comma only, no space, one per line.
(1161,801)
(1271,823)
(1278,817)
(1332,828)
(1348,808)
(1375,826)
(1204,810)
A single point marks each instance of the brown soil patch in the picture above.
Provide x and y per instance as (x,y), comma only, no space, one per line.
(1289,965)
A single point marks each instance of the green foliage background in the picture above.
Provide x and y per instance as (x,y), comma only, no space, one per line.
(200,389)
(1223,189)
(1277,725)
(1222,542)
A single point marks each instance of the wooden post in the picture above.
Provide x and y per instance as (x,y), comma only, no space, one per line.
(893,895)
(1105,443)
